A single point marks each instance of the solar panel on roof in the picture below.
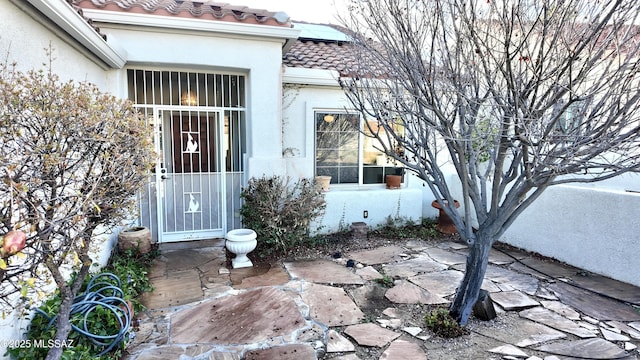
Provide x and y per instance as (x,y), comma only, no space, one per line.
(320,32)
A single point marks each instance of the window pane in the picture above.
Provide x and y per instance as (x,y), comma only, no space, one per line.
(337,146)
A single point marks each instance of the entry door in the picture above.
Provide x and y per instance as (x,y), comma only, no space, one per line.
(191,176)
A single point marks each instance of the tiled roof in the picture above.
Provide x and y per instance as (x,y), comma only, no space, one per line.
(331,55)
(194,9)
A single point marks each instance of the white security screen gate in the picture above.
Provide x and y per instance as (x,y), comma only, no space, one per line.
(199,131)
(191,177)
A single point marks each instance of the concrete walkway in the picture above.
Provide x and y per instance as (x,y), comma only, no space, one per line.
(321,309)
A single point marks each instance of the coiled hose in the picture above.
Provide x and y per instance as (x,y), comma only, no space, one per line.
(100,292)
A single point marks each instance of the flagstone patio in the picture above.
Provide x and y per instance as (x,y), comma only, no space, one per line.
(322,309)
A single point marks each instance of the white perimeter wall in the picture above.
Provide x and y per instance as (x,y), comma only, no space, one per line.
(593,228)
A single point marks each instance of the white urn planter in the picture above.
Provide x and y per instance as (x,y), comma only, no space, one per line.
(241,242)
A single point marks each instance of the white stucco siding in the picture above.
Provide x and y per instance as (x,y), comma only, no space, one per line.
(299,104)
(24,40)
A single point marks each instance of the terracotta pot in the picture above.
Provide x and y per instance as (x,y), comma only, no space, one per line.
(445,224)
(393,181)
(323,182)
(138,237)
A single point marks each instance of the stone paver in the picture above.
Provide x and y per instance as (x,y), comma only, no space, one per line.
(513,300)
(587,349)
(634,333)
(446,257)
(407,293)
(561,309)
(274,276)
(369,273)
(508,350)
(412,267)
(403,350)
(331,305)
(597,307)
(322,271)
(338,343)
(380,255)
(441,283)
(234,319)
(182,287)
(370,334)
(549,318)
(285,352)
(514,280)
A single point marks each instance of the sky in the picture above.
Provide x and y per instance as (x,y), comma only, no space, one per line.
(314,11)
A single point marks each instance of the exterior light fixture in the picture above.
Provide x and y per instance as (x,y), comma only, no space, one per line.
(189,98)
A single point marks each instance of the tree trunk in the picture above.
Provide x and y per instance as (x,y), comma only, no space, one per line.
(63,323)
(469,289)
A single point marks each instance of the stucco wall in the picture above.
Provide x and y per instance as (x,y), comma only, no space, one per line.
(591,228)
(24,41)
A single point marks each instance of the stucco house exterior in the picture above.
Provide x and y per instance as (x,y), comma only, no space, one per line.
(234,93)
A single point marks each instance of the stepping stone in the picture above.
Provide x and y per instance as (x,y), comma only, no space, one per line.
(275,276)
(380,255)
(412,267)
(499,258)
(331,305)
(549,318)
(441,283)
(322,271)
(625,328)
(513,300)
(517,281)
(182,287)
(338,343)
(370,334)
(390,323)
(252,316)
(588,349)
(522,333)
(446,257)
(538,333)
(407,293)
(562,309)
(613,336)
(635,325)
(285,352)
(412,330)
(391,312)
(369,273)
(508,350)
(403,350)
(594,305)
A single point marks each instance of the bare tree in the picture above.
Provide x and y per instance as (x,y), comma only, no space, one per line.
(71,161)
(516,96)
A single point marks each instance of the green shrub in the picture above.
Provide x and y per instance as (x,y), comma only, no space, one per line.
(280,212)
(443,324)
(131,268)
